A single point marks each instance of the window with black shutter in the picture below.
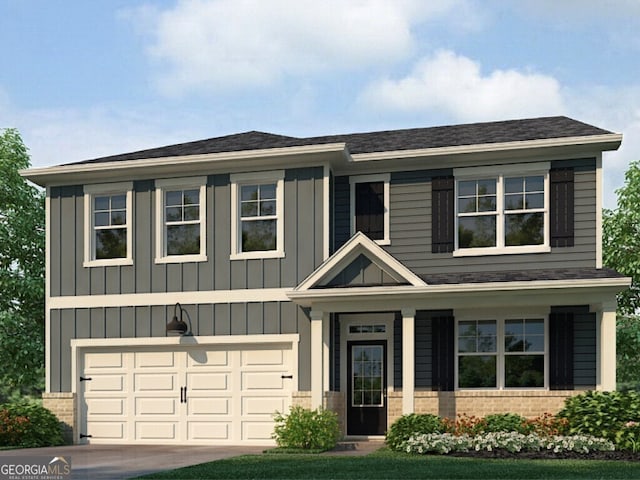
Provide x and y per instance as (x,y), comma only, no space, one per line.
(442,214)
(561,211)
(370,206)
(370,209)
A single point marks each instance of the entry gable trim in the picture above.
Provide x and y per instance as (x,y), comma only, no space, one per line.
(360,244)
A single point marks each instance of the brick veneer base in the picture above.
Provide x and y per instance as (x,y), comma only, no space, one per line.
(528,403)
(63,406)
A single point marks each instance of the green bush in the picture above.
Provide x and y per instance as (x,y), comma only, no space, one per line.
(307,429)
(28,425)
(506,422)
(601,414)
(413,424)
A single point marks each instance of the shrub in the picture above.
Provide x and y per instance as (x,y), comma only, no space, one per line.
(628,437)
(28,425)
(307,429)
(506,422)
(601,414)
(413,424)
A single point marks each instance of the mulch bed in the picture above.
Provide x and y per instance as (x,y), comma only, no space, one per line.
(549,455)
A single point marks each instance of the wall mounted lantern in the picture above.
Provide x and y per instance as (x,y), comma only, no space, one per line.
(175,326)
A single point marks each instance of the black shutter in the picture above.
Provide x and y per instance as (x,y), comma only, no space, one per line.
(561,211)
(443,353)
(370,209)
(561,350)
(442,214)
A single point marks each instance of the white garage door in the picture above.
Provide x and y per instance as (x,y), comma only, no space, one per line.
(199,395)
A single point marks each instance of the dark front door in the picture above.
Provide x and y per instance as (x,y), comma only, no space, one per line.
(367,388)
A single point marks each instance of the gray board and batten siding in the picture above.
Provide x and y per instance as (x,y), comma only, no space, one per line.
(303,244)
(410,225)
(304,225)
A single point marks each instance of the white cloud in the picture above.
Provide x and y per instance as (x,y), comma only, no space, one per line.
(226,44)
(455,85)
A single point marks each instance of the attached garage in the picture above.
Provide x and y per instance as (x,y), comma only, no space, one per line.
(196,390)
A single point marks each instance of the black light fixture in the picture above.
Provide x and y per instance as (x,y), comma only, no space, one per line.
(175,326)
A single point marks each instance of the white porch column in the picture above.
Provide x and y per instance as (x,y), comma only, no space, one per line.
(606,335)
(317,348)
(325,351)
(408,359)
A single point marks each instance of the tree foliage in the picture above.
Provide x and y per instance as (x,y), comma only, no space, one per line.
(621,251)
(21,272)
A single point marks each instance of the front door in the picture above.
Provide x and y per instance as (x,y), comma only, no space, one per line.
(367,388)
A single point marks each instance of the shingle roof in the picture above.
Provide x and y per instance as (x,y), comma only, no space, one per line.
(521,276)
(383,141)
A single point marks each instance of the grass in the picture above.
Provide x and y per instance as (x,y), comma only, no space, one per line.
(387,464)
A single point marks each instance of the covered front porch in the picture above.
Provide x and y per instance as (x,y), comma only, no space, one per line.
(363,301)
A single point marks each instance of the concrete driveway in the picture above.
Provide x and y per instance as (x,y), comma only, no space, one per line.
(102,462)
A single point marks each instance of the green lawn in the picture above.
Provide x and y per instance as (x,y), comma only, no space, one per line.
(386,464)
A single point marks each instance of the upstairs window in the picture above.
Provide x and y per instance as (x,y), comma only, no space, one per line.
(180,220)
(370,206)
(257,211)
(108,235)
(502,213)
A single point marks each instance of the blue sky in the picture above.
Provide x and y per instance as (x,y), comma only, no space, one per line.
(82,79)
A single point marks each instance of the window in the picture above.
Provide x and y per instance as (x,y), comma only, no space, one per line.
(370,206)
(257,211)
(181,220)
(504,353)
(502,213)
(108,235)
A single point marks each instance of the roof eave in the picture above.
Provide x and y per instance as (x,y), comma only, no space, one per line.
(607,286)
(227,162)
(604,142)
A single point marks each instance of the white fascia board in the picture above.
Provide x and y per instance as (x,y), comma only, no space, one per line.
(356,245)
(170,298)
(609,141)
(408,292)
(157,167)
(183,340)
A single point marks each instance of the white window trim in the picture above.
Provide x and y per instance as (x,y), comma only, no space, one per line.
(353,180)
(180,183)
(478,173)
(500,318)
(89,246)
(239,179)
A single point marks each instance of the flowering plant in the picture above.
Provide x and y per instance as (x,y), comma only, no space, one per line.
(510,441)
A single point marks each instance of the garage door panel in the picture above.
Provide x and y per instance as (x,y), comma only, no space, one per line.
(107,430)
(156,430)
(158,382)
(104,360)
(262,381)
(209,430)
(262,357)
(263,405)
(209,406)
(156,406)
(105,406)
(155,359)
(208,381)
(208,358)
(257,431)
(105,383)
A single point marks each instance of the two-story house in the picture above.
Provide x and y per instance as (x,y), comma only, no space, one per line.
(195,289)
